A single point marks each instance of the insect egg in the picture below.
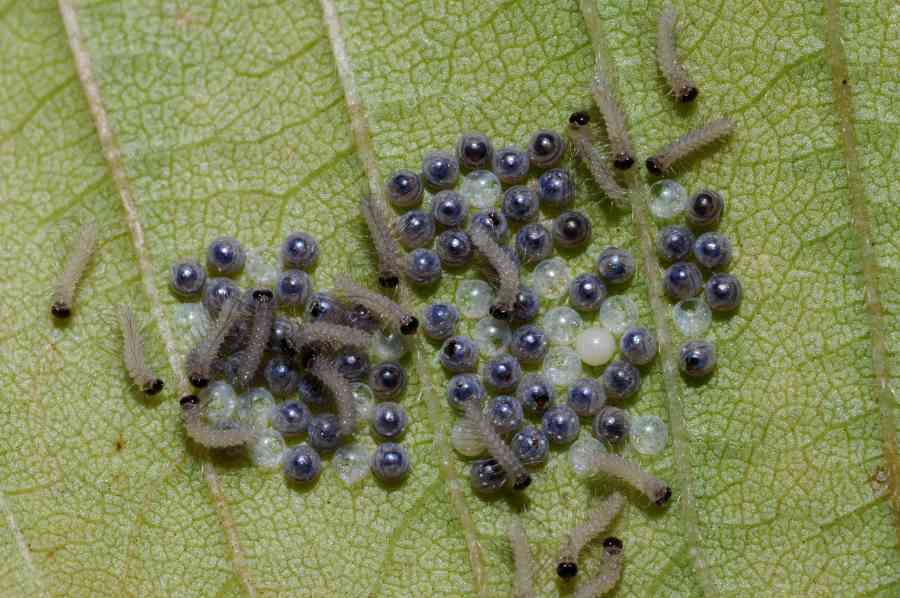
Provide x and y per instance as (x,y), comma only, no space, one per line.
(713,250)
(533,243)
(423,267)
(723,292)
(387,380)
(281,378)
(216,292)
(449,208)
(389,420)
(529,344)
(555,189)
(674,243)
(458,354)
(487,476)
(493,221)
(454,247)
(586,397)
(546,149)
(299,250)
(510,164)
(560,424)
(302,464)
(704,210)
(638,345)
(587,292)
(324,432)
(536,393)
(520,204)
(291,418)
(462,388)
(352,365)
(697,359)
(474,150)
(404,189)
(501,372)
(292,288)
(526,305)
(571,230)
(226,256)
(616,266)
(621,380)
(505,414)
(187,278)
(282,330)
(610,425)
(415,229)
(682,280)
(530,445)
(440,170)
(439,320)
(390,462)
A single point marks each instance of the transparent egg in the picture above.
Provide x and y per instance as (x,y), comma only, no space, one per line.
(617,313)
(491,335)
(261,268)
(582,453)
(550,279)
(390,347)
(363,401)
(481,188)
(562,366)
(562,325)
(648,434)
(191,321)
(474,298)
(256,406)
(595,346)
(351,463)
(267,449)
(466,440)
(667,199)
(222,403)
(692,317)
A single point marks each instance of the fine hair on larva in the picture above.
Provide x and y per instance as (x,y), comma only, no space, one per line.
(672,70)
(610,572)
(617,466)
(133,354)
(687,144)
(192,411)
(390,313)
(616,130)
(506,268)
(583,143)
(199,360)
(498,449)
(263,302)
(598,520)
(63,301)
(328,337)
(387,250)
(327,373)
(523,584)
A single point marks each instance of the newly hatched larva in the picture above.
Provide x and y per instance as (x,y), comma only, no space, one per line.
(580,134)
(340,390)
(506,268)
(687,144)
(200,359)
(619,140)
(67,284)
(390,313)
(192,411)
(523,586)
(610,573)
(328,337)
(133,354)
(386,248)
(673,71)
(504,455)
(598,521)
(618,467)
(263,301)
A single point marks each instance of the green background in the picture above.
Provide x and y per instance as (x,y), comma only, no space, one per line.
(230,118)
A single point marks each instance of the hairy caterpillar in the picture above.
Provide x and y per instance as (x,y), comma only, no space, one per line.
(263,314)
(598,521)
(496,447)
(67,283)
(523,586)
(609,575)
(616,466)
(325,336)
(386,248)
(673,71)
(506,269)
(199,360)
(328,374)
(689,143)
(619,140)
(580,134)
(387,311)
(192,409)
(133,354)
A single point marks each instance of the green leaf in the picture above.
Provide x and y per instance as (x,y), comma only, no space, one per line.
(218,117)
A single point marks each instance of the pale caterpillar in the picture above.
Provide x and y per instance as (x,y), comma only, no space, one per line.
(598,521)
(324,336)
(67,283)
(506,268)
(386,248)
(260,331)
(498,449)
(609,574)
(614,118)
(340,389)
(673,71)
(133,354)
(199,360)
(689,143)
(580,134)
(523,586)
(387,311)
(192,412)
(616,466)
